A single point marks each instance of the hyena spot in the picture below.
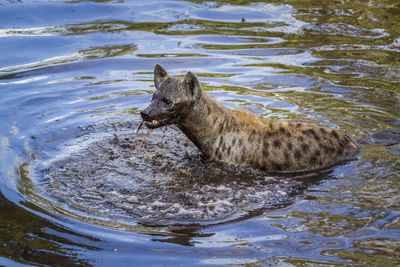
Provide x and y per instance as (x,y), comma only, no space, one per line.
(221,128)
(277,143)
(256,163)
(251,136)
(261,164)
(277,166)
(220,141)
(290,146)
(304,147)
(334,134)
(265,153)
(297,154)
(264,166)
(271,125)
(322,130)
(250,139)
(282,130)
(311,132)
(299,125)
(268,134)
(233,126)
(287,165)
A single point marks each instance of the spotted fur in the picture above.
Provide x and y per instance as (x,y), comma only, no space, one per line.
(239,136)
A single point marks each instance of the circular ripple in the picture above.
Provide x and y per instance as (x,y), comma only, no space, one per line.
(110,172)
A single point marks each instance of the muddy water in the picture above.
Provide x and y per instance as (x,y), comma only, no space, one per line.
(126,178)
(80,186)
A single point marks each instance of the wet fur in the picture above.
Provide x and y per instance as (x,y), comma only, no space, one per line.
(239,136)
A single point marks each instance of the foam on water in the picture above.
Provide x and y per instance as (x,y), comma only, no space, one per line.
(111,172)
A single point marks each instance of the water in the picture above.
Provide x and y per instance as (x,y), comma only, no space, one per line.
(79,186)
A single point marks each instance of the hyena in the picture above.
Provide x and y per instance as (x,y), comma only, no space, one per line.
(239,136)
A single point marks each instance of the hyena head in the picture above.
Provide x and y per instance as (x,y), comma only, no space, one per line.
(173,99)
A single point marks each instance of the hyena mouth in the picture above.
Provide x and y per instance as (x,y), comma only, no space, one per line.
(154,124)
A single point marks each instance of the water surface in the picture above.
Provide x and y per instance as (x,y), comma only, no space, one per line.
(80,186)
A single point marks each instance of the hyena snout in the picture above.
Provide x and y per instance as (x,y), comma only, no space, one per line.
(145,114)
(152,119)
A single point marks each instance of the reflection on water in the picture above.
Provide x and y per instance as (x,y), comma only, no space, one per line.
(78,186)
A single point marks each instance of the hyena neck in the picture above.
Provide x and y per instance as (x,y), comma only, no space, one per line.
(203,124)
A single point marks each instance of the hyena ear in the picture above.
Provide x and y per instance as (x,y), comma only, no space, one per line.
(192,84)
(159,75)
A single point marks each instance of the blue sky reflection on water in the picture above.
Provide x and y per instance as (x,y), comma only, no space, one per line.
(73,74)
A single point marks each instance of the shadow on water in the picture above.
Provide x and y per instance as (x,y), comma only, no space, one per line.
(79,187)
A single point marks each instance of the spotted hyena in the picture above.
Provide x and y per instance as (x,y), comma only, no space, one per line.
(238,136)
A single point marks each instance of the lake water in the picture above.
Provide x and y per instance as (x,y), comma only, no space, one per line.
(80,186)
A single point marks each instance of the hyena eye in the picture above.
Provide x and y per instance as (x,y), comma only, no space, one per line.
(167,102)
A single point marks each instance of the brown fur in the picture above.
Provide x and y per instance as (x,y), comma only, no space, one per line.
(239,136)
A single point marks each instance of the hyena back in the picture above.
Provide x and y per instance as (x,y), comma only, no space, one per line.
(238,136)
